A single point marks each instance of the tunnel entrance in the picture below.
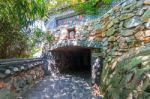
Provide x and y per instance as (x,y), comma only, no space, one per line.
(73,60)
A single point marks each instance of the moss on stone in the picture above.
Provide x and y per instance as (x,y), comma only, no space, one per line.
(129,79)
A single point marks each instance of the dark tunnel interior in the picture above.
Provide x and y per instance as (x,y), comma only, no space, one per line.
(73,59)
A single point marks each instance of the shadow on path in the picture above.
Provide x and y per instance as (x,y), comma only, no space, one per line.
(60,87)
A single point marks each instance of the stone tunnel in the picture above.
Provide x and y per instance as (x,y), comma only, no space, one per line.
(75,57)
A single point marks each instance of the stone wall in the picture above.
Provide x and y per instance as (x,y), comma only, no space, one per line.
(122,32)
(17,76)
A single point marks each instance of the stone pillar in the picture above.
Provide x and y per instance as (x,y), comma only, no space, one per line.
(45,62)
(96,63)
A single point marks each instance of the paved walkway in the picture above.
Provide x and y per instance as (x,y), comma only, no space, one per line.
(60,87)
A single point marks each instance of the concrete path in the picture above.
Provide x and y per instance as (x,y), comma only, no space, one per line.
(60,87)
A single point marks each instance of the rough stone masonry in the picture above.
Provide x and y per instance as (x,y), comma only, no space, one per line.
(17,76)
(123,35)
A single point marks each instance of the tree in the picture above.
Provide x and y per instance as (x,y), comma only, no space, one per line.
(14,16)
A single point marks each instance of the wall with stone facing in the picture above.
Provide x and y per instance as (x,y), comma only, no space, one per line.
(19,76)
(122,30)
(127,30)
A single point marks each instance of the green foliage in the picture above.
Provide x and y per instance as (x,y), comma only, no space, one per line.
(90,6)
(14,16)
(21,12)
(49,38)
(38,37)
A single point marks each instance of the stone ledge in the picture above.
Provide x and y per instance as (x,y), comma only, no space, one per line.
(74,42)
(10,67)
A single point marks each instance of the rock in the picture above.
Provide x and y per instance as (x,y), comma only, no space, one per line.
(110,32)
(147,25)
(127,32)
(105,43)
(104,48)
(146,39)
(126,16)
(123,50)
(132,22)
(97,45)
(120,39)
(116,8)
(110,24)
(130,6)
(147,33)
(139,4)
(116,20)
(22,68)
(140,35)
(97,26)
(123,45)
(85,33)
(139,28)
(116,53)
(147,2)
(146,16)
(130,39)
(90,28)
(128,2)
(7,71)
(99,31)
(111,38)
(15,69)
(104,39)
(140,12)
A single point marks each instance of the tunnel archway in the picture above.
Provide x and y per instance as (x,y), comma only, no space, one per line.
(72,59)
(78,61)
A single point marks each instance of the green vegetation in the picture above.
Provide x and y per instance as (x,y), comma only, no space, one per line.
(129,77)
(14,16)
(90,6)
(17,15)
